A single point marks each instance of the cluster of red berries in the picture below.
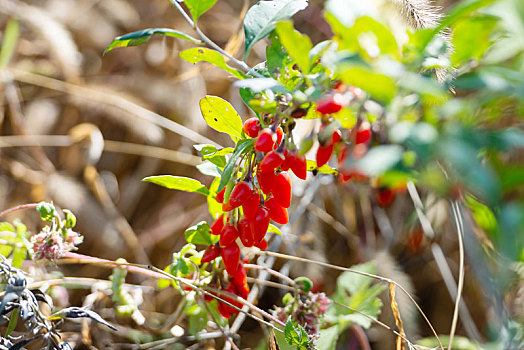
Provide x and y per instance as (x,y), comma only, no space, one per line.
(237,284)
(264,193)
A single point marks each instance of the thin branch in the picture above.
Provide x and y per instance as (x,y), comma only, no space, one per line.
(109,146)
(212,44)
(110,99)
(380,278)
(19,207)
(460,234)
(442,264)
(272,272)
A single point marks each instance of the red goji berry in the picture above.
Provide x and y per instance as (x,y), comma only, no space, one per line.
(277,213)
(265,141)
(282,189)
(228,235)
(271,161)
(363,134)
(250,206)
(211,253)
(230,256)
(220,196)
(266,180)
(245,233)
(299,166)
(260,224)
(252,127)
(262,245)
(240,193)
(218,225)
(323,154)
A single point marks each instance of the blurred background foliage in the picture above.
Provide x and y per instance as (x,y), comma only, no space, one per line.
(104,122)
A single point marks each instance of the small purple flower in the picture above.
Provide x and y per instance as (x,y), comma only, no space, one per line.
(51,244)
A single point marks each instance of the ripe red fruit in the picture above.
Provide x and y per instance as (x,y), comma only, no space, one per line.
(231,289)
(363,134)
(224,310)
(385,197)
(227,206)
(265,141)
(220,196)
(230,256)
(262,245)
(280,135)
(211,253)
(251,127)
(277,213)
(323,154)
(271,161)
(336,136)
(260,224)
(299,166)
(240,193)
(265,180)
(240,277)
(250,206)
(218,225)
(332,103)
(228,235)
(282,189)
(244,231)
(288,158)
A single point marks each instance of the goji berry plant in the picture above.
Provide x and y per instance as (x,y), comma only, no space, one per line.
(414,110)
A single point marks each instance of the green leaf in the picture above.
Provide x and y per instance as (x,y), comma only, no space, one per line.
(7,233)
(70,220)
(9,40)
(13,320)
(261,19)
(471,38)
(210,169)
(276,57)
(180,183)
(242,147)
(221,116)
(357,292)
(272,228)
(199,54)
(142,36)
(379,86)
(304,283)
(47,211)
(199,234)
(199,7)
(292,334)
(296,44)
(197,320)
(328,338)
(215,208)
(324,169)
(282,342)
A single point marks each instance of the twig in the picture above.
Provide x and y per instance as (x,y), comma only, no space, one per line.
(442,264)
(460,232)
(18,207)
(109,146)
(380,278)
(272,272)
(109,99)
(270,284)
(212,44)
(374,320)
